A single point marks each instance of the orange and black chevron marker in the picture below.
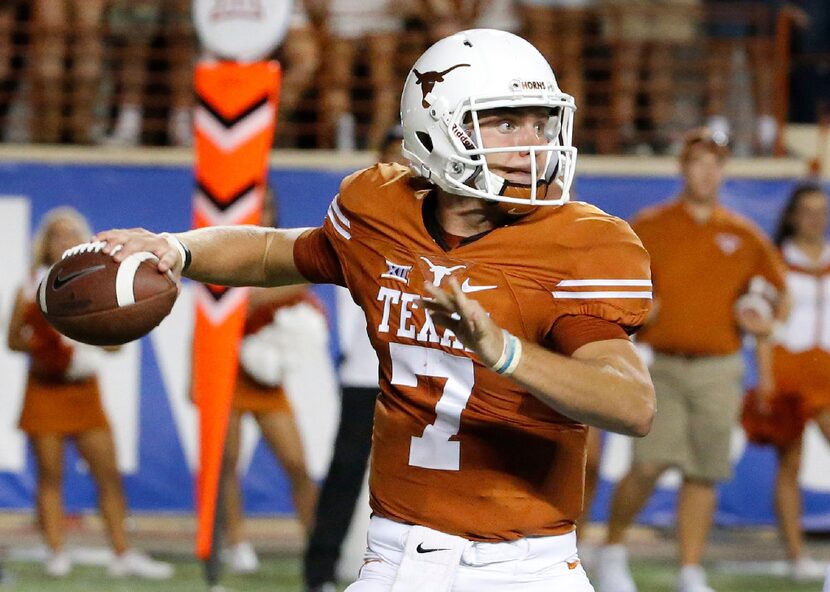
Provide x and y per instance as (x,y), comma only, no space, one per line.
(234,127)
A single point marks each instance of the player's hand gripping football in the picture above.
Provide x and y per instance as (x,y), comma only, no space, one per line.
(467,319)
(122,243)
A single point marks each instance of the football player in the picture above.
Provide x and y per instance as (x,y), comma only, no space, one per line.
(500,312)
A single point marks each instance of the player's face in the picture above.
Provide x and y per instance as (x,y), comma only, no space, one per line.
(810,216)
(63,234)
(515,127)
(702,174)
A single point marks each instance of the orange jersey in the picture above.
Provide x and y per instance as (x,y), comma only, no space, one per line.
(700,270)
(457,447)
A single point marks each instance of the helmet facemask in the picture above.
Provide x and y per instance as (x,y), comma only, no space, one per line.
(551,164)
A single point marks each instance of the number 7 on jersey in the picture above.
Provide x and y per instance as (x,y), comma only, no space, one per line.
(433,449)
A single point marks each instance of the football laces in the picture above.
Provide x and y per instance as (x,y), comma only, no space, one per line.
(83,248)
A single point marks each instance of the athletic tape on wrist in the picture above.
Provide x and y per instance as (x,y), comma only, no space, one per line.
(184,252)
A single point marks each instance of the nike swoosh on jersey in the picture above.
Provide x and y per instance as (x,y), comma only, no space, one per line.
(61,281)
(467,288)
(420,549)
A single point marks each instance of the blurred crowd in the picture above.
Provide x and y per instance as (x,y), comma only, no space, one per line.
(119,72)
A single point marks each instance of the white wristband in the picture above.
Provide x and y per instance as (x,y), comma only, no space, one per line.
(511,354)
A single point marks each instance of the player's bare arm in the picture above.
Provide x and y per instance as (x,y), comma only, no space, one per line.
(222,255)
(604,384)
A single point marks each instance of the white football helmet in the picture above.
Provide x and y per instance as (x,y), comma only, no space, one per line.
(470,72)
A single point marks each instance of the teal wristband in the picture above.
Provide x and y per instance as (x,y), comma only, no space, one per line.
(510,355)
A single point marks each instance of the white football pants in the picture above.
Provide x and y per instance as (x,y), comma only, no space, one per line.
(538,564)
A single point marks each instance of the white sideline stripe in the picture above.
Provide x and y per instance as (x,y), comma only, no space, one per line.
(124,293)
(41,293)
(593,295)
(336,207)
(602,283)
(340,230)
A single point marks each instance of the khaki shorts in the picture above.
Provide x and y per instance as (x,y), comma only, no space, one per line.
(698,402)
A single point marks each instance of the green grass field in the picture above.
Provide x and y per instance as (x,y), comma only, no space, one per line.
(279,574)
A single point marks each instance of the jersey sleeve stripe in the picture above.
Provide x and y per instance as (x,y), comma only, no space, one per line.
(603,283)
(600,295)
(335,207)
(334,222)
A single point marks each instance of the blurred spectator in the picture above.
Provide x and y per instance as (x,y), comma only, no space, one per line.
(558,29)
(644,37)
(593,459)
(138,30)
(259,391)
(810,88)
(54,88)
(445,17)
(137,26)
(697,370)
(352,26)
(13,13)
(359,388)
(134,23)
(181,50)
(300,58)
(499,14)
(391,148)
(8,10)
(794,372)
(740,84)
(63,402)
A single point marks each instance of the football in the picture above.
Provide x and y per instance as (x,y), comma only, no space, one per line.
(754,303)
(91,298)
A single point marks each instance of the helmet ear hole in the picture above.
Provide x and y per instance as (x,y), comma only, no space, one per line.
(425,139)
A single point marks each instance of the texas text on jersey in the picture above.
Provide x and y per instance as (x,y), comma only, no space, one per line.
(458,447)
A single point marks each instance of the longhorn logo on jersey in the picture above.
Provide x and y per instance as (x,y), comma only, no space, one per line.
(439,272)
(728,243)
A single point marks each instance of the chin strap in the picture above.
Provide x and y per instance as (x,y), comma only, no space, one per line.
(523,191)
